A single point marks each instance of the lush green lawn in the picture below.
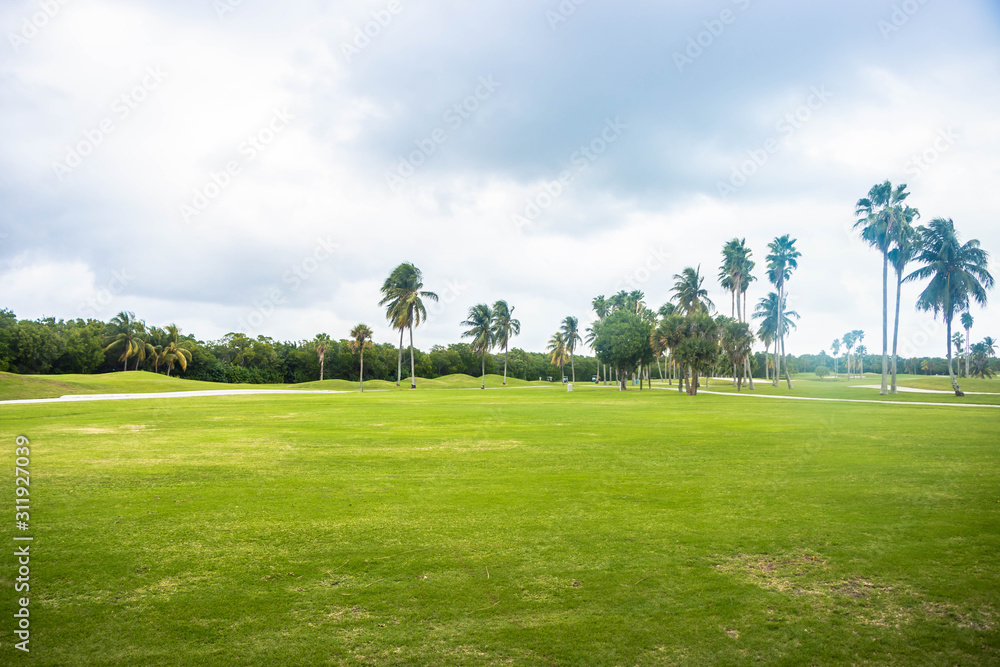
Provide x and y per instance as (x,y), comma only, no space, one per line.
(521,526)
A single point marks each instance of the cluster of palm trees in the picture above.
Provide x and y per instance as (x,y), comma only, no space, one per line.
(855,360)
(975,355)
(980,355)
(402,295)
(957,272)
(491,327)
(564,344)
(684,331)
(131,338)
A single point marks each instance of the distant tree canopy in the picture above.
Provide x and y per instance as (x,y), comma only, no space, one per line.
(50,346)
(622,341)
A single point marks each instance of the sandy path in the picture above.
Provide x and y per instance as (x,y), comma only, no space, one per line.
(846,400)
(914,390)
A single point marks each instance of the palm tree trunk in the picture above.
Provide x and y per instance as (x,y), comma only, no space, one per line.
(968,349)
(505,364)
(951,368)
(788,376)
(361,379)
(885,324)
(777,342)
(413,376)
(572,364)
(484,371)
(399,360)
(948,315)
(321,359)
(895,332)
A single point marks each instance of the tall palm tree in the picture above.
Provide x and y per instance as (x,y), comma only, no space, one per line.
(590,339)
(878,214)
(322,341)
(849,340)
(481,332)
(402,295)
(859,337)
(905,240)
(835,349)
(781,261)
(958,340)
(571,336)
(557,348)
(991,346)
(689,295)
(957,272)
(505,327)
(770,313)
(603,308)
(735,273)
(124,336)
(967,322)
(361,340)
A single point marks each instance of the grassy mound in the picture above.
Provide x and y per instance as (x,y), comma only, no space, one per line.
(13,386)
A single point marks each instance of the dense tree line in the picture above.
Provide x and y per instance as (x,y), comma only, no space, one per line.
(50,346)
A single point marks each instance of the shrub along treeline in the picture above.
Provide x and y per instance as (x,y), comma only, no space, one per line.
(50,346)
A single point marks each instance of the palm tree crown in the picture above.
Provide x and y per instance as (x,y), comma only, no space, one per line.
(688,293)
(482,332)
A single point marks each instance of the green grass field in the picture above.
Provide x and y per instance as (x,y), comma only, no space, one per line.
(511,526)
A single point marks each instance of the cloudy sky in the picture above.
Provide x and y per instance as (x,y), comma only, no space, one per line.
(261,166)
